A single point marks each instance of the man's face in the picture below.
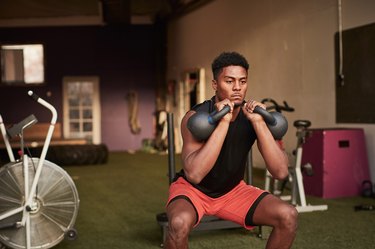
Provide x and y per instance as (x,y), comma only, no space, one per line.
(231,84)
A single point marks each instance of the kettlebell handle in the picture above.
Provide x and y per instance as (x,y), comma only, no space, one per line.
(217,115)
(267,116)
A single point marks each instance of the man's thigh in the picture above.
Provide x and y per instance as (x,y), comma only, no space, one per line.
(240,203)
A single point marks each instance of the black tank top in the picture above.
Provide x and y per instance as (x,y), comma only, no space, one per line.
(229,168)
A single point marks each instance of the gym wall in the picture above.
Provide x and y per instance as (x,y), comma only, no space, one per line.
(290,47)
(124,58)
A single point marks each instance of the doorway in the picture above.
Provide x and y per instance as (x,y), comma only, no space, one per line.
(191,91)
(81,104)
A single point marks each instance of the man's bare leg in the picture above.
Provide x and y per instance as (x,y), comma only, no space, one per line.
(282,216)
(181,217)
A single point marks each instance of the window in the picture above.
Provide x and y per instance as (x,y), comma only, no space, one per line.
(22,64)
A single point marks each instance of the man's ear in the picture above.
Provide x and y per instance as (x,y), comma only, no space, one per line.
(214,85)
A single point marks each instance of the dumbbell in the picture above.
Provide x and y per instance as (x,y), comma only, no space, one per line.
(202,124)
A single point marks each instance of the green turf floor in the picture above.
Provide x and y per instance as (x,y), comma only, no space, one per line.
(119,202)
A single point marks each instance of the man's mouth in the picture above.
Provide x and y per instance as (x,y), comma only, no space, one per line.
(238,100)
(236,96)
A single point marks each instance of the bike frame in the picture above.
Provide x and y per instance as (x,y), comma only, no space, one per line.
(29,205)
(298,197)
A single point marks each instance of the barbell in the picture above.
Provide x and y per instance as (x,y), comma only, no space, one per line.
(202,124)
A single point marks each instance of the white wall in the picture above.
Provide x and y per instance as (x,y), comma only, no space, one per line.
(290,48)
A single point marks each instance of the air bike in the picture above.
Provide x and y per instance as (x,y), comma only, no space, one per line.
(38,199)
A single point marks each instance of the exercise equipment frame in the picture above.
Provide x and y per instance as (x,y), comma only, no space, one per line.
(39,201)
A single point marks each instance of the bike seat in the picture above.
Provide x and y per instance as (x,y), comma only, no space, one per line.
(16,129)
(302,123)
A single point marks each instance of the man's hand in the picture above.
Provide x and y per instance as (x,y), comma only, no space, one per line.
(220,105)
(248,109)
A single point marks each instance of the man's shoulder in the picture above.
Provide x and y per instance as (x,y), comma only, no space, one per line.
(206,106)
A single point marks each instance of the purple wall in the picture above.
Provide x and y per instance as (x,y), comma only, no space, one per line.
(125,58)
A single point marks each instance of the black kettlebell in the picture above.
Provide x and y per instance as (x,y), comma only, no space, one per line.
(276,122)
(367,189)
(202,124)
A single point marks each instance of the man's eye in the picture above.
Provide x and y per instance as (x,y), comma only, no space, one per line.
(243,82)
(229,81)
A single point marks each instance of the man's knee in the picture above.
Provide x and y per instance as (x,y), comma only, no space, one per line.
(288,216)
(179,227)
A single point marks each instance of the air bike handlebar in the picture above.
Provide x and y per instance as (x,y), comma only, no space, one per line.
(46,143)
(45,104)
(276,106)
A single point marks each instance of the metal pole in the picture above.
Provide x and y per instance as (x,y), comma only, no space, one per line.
(249,170)
(171,148)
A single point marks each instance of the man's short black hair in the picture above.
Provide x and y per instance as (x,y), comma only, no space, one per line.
(226,59)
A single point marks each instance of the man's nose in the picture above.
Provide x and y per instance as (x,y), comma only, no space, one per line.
(237,85)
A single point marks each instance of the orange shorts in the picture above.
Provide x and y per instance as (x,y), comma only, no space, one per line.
(238,205)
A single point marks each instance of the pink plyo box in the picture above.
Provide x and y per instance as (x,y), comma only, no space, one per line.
(339,161)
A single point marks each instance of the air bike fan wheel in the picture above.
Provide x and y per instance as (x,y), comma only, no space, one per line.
(56,203)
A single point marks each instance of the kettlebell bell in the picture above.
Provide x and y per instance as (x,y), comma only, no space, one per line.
(367,189)
(276,122)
